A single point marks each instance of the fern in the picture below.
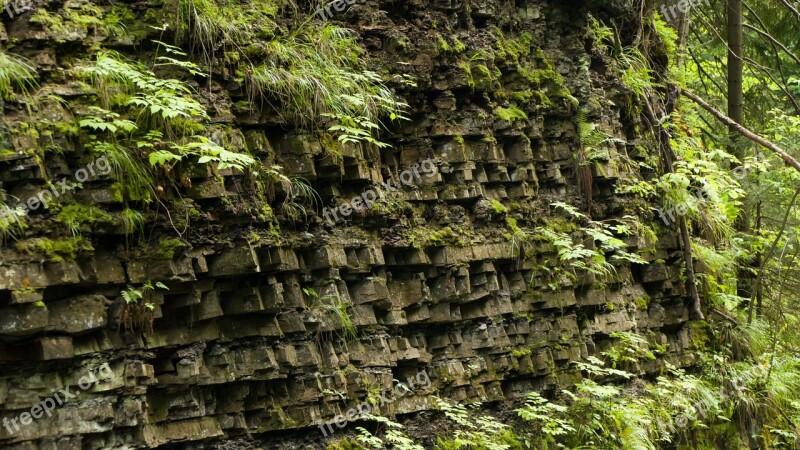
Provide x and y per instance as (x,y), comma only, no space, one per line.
(207,152)
(158,103)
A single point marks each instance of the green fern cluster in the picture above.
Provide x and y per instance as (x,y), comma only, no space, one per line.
(572,257)
(164,104)
(167,117)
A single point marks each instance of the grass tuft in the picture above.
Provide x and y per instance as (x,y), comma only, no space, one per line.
(15,73)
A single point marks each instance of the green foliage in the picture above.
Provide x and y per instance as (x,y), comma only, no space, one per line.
(544,416)
(167,118)
(137,310)
(667,34)
(299,196)
(636,72)
(12,222)
(481,432)
(394,436)
(56,250)
(310,75)
(212,26)
(629,347)
(135,181)
(132,221)
(158,103)
(78,215)
(572,257)
(15,74)
(316,73)
(707,192)
(510,114)
(160,106)
(206,152)
(335,308)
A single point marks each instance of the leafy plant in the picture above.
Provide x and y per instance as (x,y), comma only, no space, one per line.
(315,73)
(15,73)
(548,418)
(300,196)
(628,347)
(12,222)
(75,216)
(132,221)
(206,151)
(334,308)
(137,310)
(394,436)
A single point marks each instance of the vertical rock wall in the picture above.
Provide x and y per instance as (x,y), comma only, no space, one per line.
(239,344)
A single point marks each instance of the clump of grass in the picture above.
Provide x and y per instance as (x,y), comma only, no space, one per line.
(310,76)
(316,73)
(208,25)
(132,220)
(15,72)
(136,181)
(12,221)
(336,307)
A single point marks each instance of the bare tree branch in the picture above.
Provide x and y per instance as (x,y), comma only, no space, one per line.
(791,8)
(744,131)
(774,41)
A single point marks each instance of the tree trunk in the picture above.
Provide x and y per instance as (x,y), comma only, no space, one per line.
(735,68)
(744,285)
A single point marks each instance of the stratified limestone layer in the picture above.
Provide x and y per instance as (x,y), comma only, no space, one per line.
(240,345)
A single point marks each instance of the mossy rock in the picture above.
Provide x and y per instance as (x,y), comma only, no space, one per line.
(78,217)
(701,336)
(345,444)
(56,250)
(167,248)
(510,114)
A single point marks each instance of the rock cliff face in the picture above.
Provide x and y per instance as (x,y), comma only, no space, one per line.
(249,341)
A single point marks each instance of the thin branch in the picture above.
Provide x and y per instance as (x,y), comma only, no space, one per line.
(774,47)
(759,277)
(791,8)
(723,315)
(774,41)
(744,131)
(780,85)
